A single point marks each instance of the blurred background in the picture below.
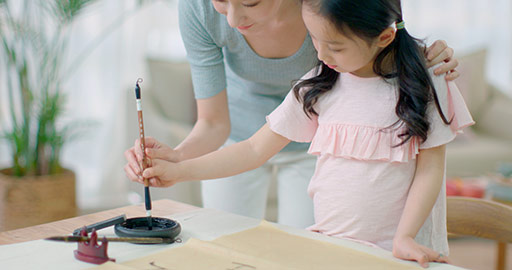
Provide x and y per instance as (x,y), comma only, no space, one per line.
(112,43)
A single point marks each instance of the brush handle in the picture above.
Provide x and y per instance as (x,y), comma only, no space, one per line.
(147,197)
(101,224)
(137,240)
(142,141)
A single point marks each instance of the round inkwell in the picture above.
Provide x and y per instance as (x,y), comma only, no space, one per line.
(138,227)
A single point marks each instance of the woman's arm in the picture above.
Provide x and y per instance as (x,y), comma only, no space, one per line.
(231,160)
(422,195)
(210,131)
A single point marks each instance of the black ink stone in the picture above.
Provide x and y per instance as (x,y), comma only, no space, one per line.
(138,227)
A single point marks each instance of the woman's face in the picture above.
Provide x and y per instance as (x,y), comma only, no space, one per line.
(248,16)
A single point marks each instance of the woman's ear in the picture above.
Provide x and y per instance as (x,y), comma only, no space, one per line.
(386,37)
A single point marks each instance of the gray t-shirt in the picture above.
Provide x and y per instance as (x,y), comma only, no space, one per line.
(220,58)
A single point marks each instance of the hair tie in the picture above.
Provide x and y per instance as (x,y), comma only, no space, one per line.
(400,25)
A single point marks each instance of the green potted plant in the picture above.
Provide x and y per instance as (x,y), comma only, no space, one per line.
(35,188)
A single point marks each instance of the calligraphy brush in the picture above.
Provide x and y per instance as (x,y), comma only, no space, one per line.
(137,240)
(147,197)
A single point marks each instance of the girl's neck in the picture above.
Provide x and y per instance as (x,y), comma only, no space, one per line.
(367,71)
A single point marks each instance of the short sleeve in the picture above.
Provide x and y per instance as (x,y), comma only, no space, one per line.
(290,120)
(204,55)
(453,107)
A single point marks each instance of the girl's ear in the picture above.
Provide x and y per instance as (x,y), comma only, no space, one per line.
(386,37)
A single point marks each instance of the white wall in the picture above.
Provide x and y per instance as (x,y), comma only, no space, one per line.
(467,25)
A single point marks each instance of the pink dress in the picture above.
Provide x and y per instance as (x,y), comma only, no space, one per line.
(361,182)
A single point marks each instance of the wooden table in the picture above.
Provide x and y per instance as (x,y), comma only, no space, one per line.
(66,226)
(19,252)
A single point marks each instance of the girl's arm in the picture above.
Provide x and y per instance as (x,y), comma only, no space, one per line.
(231,160)
(423,194)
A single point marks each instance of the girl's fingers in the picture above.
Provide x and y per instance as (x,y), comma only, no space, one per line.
(153,182)
(154,171)
(415,254)
(435,256)
(441,258)
(421,258)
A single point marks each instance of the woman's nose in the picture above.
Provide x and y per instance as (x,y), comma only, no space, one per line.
(234,16)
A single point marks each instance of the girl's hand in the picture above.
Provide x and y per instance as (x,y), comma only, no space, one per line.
(406,248)
(154,149)
(439,52)
(162,173)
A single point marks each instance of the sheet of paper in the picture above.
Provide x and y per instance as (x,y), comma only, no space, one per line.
(203,224)
(262,247)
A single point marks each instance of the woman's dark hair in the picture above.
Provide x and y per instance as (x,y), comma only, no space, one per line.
(367,19)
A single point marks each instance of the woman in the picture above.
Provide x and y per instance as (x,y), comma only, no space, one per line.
(244,55)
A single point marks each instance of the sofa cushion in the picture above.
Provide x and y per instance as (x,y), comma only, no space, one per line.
(472,81)
(476,157)
(171,89)
(495,118)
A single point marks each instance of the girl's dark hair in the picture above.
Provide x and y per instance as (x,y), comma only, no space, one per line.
(367,19)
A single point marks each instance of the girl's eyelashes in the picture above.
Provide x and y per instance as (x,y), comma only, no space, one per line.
(245,5)
(251,5)
(335,50)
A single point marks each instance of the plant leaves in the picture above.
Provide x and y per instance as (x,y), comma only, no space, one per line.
(67,10)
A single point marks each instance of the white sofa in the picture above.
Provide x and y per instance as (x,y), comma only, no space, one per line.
(488,143)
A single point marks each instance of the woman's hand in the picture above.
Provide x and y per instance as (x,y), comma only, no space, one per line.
(406,248)
(154,149)
(439,52)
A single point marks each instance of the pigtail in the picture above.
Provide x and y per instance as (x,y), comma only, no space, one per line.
(317,86)
(415,86)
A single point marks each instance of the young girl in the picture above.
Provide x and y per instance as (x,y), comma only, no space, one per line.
(377,119)
(243,54)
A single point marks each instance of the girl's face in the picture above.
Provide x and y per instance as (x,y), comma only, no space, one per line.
(247,16)
(338,51)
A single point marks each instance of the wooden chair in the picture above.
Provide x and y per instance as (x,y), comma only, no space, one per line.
(481,218)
